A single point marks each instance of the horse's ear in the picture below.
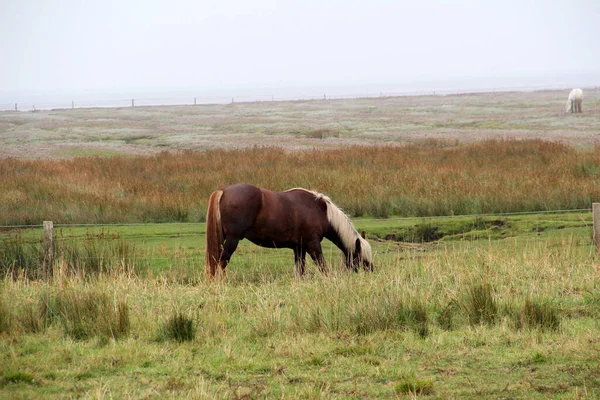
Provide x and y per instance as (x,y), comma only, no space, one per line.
(363,234)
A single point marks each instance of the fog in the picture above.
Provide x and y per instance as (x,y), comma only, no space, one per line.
(61,47)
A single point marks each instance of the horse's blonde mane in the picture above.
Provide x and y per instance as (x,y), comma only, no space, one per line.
(343,226)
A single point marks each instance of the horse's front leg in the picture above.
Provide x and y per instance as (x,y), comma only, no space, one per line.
(316,253)
(300,261)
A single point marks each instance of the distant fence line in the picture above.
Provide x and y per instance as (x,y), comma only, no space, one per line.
(206,100)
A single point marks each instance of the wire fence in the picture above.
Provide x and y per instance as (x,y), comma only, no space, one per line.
(47,103)
(100,247)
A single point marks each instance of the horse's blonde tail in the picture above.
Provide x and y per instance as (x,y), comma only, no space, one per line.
(214,234)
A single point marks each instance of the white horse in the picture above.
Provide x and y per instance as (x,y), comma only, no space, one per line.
(574,101)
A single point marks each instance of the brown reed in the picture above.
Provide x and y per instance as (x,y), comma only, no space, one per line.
(423,179)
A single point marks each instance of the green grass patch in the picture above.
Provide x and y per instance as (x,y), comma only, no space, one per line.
(16,377)
(17,256)
(179,328)
(84,314)
(536,314)
(414,386)
(480,305)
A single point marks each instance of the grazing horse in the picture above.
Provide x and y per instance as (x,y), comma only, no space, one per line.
(574,101)
(296,219)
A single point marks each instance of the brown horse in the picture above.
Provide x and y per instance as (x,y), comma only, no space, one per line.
(297,219)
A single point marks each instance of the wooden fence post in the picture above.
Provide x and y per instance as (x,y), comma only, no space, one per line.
(596,218)
(48,249)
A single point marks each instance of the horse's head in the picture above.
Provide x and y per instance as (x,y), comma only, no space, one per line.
(362,254)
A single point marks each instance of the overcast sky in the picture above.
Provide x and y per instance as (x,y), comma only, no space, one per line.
(115,44)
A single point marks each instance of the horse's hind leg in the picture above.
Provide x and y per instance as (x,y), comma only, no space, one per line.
(229,247)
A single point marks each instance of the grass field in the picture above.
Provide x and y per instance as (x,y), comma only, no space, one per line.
(449,318)
(481,306)
(299,125)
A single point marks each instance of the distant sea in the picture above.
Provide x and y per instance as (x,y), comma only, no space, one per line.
(146,96)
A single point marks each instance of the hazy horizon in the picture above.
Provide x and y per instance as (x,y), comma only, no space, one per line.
(63,48)
(154,95)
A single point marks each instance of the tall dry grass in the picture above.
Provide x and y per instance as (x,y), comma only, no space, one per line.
(430,178)
(87,258)
(523,287)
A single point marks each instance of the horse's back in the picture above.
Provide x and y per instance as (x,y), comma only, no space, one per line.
(308,203)
(576,94)
(270,218)
(308,209)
